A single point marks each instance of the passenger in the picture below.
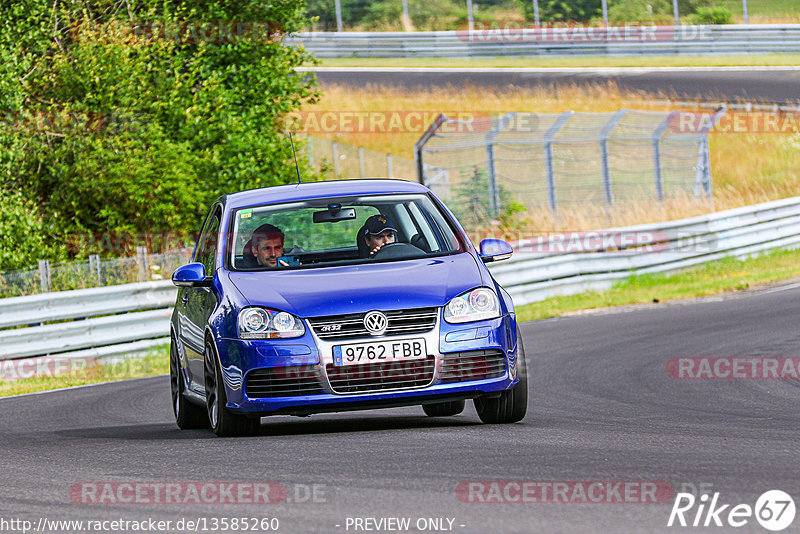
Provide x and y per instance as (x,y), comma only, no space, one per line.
(378,231)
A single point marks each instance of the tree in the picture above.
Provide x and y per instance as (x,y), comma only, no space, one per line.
(132,116)
(23,238)
(563,10)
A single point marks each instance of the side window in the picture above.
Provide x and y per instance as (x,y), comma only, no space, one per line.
(207,251)
(423,223)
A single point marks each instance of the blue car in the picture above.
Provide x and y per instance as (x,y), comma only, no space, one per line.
(338,296)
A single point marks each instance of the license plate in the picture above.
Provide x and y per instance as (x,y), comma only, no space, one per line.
(379,351)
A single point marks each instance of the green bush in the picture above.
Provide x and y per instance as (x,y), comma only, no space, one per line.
(471,203)
(23,239)
(563,10)
(712,15)
(645,11)
(425,15)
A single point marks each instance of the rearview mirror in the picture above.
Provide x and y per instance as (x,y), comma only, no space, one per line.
(334,215)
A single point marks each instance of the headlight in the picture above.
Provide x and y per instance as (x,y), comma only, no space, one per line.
(475,305)
(261,323)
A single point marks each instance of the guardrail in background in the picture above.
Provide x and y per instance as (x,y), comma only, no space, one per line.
(558,41)
(527,276)
(129,330)
(739,232)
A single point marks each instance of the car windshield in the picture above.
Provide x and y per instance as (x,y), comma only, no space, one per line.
(339,231)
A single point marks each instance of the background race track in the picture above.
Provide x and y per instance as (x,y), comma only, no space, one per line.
(769,84)
(602,407)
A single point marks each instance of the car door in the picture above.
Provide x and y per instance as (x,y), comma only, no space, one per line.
(200,302)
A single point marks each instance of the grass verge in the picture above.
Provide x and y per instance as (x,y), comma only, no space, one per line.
(728,274)
(155,362)
(766,60)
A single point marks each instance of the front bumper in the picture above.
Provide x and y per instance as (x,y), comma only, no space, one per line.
(446,342)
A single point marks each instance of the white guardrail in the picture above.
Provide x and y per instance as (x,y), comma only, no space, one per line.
(538,270)
(107,321)
(557,41)
(130,318)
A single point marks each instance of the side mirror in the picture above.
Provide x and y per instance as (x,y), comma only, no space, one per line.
(495,250)
(191,275)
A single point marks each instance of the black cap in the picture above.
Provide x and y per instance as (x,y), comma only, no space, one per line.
(377,224)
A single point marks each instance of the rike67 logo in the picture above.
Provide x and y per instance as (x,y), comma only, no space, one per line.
(774,510)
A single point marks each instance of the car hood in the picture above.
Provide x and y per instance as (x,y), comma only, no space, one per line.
(358,288)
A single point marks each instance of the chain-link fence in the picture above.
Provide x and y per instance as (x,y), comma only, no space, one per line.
(528,161)
(334,160)
(92,272)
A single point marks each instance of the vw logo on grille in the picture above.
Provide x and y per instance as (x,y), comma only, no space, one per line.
(375,322)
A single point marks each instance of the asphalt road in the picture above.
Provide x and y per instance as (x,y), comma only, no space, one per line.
(602,408)
(776,84)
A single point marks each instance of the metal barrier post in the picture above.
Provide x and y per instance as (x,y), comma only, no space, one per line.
(361,162)
(604,133)
(494,191)
(548,157)
(419,146)
(338,8)
(335,149)
(657,133)
(141,260)
(702,182)
(94,265)
(44,275)
(389,166)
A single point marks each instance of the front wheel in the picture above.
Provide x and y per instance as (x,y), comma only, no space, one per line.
(223,421)
(512,404)
(444,409)
(187,415)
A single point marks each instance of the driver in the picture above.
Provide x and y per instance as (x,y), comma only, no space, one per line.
(379,231)
(266,246)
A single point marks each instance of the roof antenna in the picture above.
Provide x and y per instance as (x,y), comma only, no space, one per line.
(299,181)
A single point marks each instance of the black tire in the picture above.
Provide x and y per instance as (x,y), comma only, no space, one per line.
(444,409)
(512,404)
(187,414)
(222,421)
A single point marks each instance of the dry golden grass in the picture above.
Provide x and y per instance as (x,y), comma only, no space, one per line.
(746,168)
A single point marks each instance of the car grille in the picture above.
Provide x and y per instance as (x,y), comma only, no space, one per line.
(378,376)
(472,365)
(283,382)
(351,326)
